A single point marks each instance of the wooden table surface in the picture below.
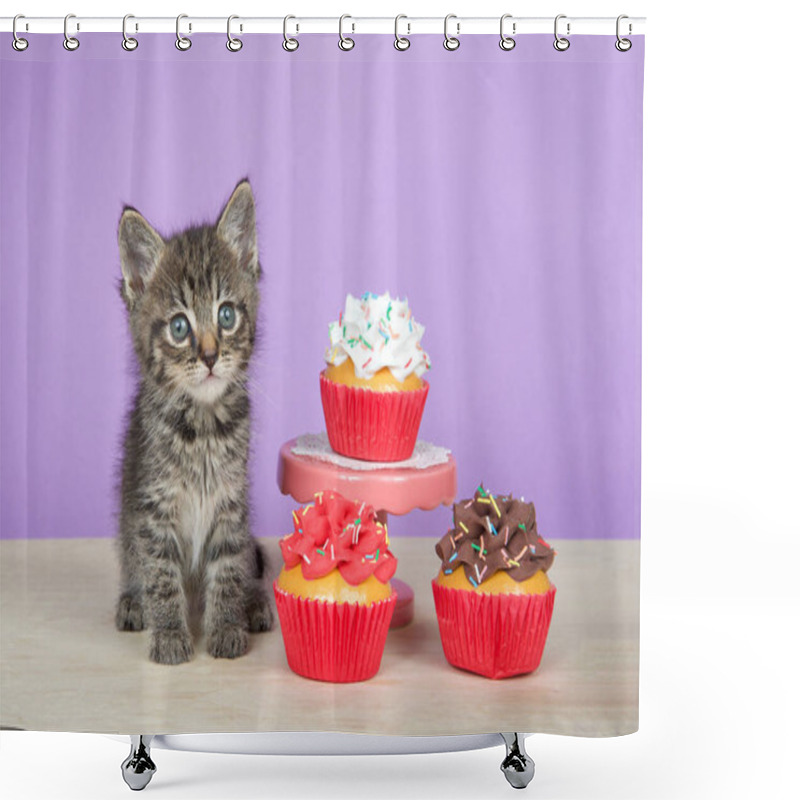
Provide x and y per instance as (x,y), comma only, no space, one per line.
(64,666)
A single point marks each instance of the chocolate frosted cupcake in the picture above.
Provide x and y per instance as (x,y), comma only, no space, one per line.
(493,598)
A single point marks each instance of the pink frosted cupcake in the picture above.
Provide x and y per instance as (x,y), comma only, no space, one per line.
(373,393)
(493,598)
(333,595)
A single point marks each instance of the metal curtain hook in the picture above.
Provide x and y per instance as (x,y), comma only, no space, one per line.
(289,44)
(623,45)
(507,42)
(129,43)
(345,42)
(451,42)
(181,42)
(561,43)
(233,44)
(18,43)
(401,42)
(70,42)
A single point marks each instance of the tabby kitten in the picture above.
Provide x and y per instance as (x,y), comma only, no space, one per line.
(192,301)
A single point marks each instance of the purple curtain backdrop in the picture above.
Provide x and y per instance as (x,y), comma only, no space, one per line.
(500,191)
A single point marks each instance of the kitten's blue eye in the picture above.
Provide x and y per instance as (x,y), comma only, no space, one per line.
(179,327)
(227,316)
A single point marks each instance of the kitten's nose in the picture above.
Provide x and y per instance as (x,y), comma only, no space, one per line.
(209,357)
(209,351)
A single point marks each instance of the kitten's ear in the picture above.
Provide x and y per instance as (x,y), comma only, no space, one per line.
(140,248)
(237,226)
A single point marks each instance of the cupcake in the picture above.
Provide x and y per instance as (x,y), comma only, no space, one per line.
(493,598)
(373,392)
(333,594)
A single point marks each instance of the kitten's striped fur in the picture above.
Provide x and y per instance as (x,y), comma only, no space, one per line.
(184,505)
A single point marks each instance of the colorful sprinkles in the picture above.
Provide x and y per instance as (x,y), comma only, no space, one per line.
(376,325)
(486,561)
(299,547)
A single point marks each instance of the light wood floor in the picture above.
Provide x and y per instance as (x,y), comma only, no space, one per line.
(64,666)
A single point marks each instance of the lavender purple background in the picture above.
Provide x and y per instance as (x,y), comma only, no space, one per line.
(501,192)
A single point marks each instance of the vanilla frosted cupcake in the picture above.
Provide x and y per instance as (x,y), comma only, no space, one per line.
(373,392)
(494,600)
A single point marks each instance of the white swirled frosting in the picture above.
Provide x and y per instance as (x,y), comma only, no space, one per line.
(376,332)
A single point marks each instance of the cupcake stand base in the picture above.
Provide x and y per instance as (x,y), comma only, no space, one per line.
(388,490)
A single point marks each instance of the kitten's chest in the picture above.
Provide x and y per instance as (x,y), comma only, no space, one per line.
(196,512)
(209,482)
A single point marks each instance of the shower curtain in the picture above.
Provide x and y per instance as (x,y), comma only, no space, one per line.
(499,192)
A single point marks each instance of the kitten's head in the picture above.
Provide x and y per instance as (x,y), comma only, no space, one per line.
(192,299)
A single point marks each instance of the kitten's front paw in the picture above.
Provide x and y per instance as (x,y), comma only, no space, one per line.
(260,617)
(171,647)
(130,616)
(228,642)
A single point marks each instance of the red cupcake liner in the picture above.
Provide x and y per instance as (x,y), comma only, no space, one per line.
(496,635)
(336,642)
(372,426)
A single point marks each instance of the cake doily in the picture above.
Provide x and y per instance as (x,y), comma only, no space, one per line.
(316,445)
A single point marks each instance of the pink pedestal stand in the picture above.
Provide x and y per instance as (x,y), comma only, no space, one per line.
(389,491)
